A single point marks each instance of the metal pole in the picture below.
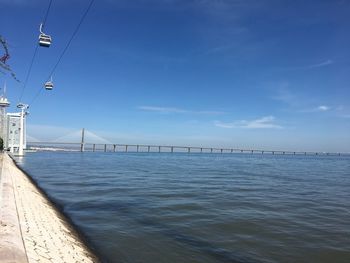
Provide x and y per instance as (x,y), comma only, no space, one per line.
(158,148)
(148,148)
(126,148)
(137,148)
(172,149)
(13,141)
(105,147)
(82,140)
(93,147)
(114,146)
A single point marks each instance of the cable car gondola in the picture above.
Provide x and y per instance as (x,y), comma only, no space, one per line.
(49,85)
(44,40)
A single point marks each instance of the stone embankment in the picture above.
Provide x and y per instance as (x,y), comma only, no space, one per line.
(31,229)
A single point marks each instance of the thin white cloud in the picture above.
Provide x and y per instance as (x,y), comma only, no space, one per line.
(283,93)
(162,109)
(209,112)
(339,111)
(342,111)
(321,64)
(267,122)
(226,125)
(323,108)
(264,122)
(178,110)
(299,104)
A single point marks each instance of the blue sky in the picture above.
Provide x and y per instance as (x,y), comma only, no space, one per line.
(263,74)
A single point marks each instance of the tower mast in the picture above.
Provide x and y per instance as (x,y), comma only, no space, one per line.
(4,103)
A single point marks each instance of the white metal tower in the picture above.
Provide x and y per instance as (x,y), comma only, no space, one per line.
(22,134)
(4,103)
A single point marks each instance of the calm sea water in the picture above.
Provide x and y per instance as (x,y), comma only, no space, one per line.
(203,207)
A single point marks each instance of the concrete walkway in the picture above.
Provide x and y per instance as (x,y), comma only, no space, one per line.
(31,229)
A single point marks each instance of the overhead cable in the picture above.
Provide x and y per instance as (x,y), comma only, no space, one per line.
(65,49)
(34,55)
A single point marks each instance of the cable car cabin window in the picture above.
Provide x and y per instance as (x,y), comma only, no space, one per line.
(49,86)
(44,44)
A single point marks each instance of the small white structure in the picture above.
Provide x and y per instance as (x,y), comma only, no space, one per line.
(14,131)
(13,125)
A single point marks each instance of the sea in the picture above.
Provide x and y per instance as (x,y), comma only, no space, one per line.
(205,208)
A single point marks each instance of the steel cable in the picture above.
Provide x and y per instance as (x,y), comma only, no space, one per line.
(64,50)
(34,55)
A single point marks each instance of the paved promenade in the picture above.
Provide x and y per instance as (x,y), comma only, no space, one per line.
(31,229)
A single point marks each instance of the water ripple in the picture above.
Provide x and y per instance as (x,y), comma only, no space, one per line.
(205,208)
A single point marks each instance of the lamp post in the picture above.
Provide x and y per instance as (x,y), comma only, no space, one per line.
(12,139)
(23,108)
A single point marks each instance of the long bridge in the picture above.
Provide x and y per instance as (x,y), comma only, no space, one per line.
(106,147)
(83,146)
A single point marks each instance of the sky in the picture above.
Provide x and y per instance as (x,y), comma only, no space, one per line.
(262,74)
